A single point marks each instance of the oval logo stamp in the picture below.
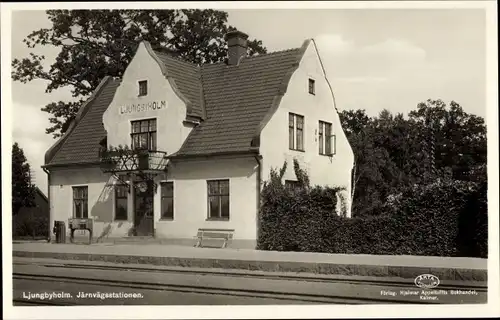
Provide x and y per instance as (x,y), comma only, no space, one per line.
(427,281)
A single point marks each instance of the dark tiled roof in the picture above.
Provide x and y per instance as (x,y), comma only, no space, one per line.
(81,143)
(186,77)
(237,98)
(232,101)
(41,195)
(41,207)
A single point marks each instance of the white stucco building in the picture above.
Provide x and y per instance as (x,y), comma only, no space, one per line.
(213,131)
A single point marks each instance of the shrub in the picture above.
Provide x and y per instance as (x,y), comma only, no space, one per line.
(293,212)
(29,223)
(446,218)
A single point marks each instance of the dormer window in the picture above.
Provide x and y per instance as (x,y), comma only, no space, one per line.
(312,89)
(143,88)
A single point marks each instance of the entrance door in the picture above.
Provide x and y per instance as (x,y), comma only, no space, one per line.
(144,208)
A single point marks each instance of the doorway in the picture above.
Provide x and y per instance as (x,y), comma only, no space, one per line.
(144,208)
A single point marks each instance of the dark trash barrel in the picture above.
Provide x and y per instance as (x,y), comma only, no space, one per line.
(60,231)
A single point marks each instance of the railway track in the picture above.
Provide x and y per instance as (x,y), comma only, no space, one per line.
(256,275)
(251,293)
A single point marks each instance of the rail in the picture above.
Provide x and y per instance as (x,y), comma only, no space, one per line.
(252,293)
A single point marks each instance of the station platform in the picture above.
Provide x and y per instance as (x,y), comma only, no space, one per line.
(406,267)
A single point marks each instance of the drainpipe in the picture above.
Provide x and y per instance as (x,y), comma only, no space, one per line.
(258,158)
(132,207)
(48,197)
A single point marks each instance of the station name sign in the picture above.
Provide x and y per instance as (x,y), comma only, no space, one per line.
(141,107)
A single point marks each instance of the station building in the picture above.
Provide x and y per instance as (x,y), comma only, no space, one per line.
(208,137)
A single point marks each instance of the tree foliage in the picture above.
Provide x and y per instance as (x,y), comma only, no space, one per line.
(23,193)
(393,152)
(98,43)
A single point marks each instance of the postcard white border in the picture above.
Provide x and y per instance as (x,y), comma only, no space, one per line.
(240,312)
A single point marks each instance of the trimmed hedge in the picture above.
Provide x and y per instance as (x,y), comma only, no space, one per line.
(443,219)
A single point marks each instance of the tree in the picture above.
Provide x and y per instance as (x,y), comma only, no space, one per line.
(393,152)
(460,138)
(354,121)
(99,43)
(374,169)
(23,194)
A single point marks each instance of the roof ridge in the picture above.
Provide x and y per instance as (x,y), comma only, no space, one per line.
(200,66)
(260,55)
(273,53)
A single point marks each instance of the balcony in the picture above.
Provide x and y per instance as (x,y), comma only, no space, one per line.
(126,160)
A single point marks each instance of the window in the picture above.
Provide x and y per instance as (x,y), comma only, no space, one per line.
(291,131)
(300,132)
(292,185)
(218,199)
(321,139)
(167,200)
(80,203)
(144,134)
(326,138)
(311,86)
(143,88)
(121,202)
(295,132)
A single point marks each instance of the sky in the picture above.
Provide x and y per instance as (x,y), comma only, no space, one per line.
(375,59)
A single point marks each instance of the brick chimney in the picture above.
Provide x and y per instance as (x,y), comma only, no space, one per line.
(237,46)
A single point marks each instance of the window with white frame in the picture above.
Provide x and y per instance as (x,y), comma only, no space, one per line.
(295,132)
(312,86)
(326,139)
(143,88)
(218,199)
(144,134)
(80,202)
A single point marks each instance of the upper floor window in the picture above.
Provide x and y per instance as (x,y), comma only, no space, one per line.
(312,89)
(80,202)
(143,88)
(295,132)
(326,138)
(144,134)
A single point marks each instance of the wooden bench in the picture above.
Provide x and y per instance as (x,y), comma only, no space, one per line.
(221,234)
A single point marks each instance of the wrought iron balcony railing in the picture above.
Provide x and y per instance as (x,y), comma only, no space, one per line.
(126,160)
